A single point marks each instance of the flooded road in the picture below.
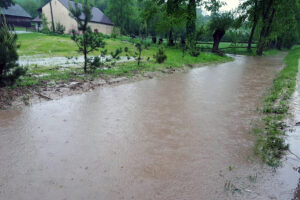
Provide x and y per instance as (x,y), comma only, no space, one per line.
(182,137)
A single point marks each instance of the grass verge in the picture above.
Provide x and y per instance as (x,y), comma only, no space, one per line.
(40,74)
(271,144)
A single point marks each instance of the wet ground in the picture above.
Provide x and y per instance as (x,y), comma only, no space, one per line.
(185,136)
(39,60)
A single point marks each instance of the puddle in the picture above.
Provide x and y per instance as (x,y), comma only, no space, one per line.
(62,61)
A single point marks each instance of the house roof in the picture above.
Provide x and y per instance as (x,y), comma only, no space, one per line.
(15,10)
(37,19)
(98,15)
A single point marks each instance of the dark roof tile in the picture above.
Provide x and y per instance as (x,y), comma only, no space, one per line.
(98,15)
(15,10)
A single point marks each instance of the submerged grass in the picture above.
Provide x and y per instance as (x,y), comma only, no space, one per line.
(56,45)
(271,144)
(41,74)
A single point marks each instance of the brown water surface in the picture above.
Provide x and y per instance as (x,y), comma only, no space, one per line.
(173,138)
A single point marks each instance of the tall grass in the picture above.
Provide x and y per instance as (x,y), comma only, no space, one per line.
(271,144)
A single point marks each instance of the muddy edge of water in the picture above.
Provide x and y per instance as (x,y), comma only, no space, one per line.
(51,90)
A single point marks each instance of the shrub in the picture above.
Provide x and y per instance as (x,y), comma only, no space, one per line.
(154,40)
(103,53)
(116,31)
(45,23)
(160,56)
(194,52)
(114,36)
(139,47)
(95,63)
(9,69)
(126,49)
(60,29)
(116,54)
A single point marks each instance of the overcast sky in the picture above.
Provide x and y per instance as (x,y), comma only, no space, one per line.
(231,4)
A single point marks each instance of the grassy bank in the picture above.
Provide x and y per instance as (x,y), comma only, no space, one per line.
(271,144)
(41,74)
(238,48)
(48,45)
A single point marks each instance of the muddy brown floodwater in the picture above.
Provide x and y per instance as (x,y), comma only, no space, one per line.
(182,137)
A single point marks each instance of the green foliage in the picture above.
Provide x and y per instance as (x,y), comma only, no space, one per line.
(116,32)
(78,11)
(139,47)
(9,69)
(221,21)
(124,15)
(271,144)
(31,6)
(95,63)
(88,41)
(45,24)
(285,36)
(116,54)
(59,28)
(160,56)
(5,3)
(61,45)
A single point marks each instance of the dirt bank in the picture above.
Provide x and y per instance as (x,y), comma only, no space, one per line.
(51,90)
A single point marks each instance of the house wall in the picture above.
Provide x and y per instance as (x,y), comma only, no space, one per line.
(61,15)
(18,21)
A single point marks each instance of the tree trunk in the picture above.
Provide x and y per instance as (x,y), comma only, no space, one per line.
(267,23)
(191,20)
(255,20)
(251,35)
(260,45)
(218,35)
(265,33)
(171,40)
(85,52)
(1,69)
(52,20)
(85,63)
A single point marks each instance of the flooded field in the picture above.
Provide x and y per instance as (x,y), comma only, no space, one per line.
(63,61)
(185,136)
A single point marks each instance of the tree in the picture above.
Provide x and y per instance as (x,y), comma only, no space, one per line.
(31,6)
(219,23)
(191,18)
(87,41)
(121,13)
(251,12)
(284,30)
(9,69)
(6,3)
(276,22)
(52,18)
(267,13)
(164,18)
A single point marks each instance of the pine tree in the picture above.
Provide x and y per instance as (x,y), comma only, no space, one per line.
(9,69)
(87,41)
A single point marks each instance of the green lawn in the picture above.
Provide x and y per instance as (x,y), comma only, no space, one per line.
(49,46)
(240,49)
(55,45)
(19,28)
(46,45)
